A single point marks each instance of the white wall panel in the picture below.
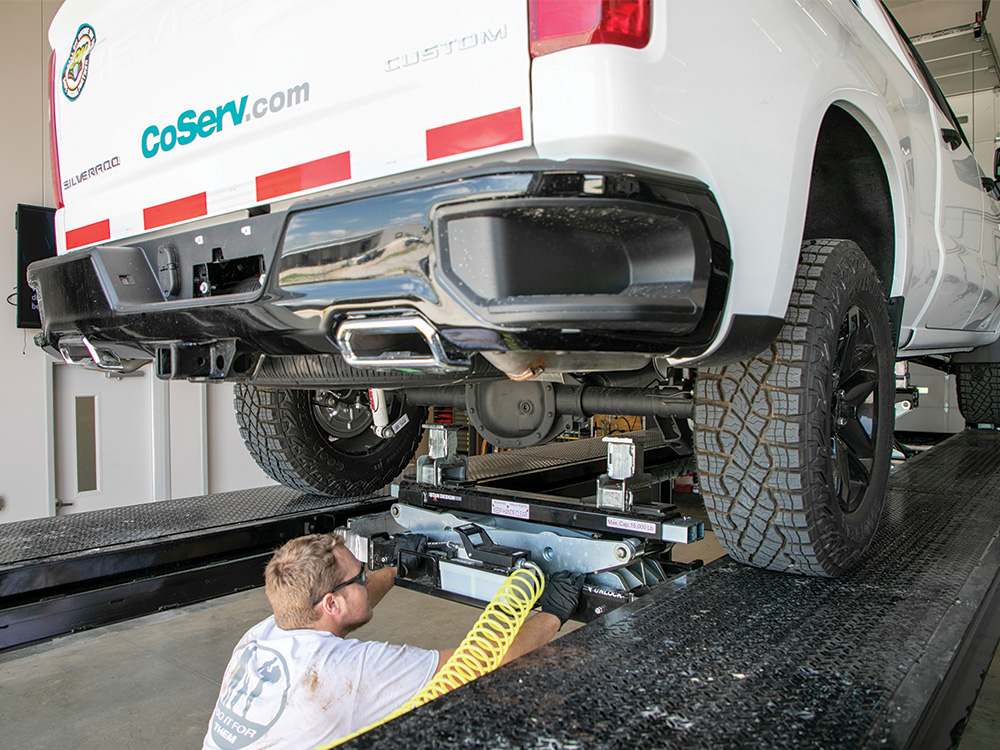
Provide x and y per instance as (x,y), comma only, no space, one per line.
(24,53)
(229,465)
(188,439)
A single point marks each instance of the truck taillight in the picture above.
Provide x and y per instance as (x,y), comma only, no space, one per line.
(560,24)
(53,146)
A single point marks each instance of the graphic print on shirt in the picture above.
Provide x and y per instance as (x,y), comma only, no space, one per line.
(253,697)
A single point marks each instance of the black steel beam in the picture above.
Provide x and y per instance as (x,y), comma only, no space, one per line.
(93,607)
(943,720)
(528,506)
(95,582)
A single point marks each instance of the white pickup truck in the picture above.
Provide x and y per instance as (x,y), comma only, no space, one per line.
(732,213)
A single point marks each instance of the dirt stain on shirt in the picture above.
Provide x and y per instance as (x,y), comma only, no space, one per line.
(312,681)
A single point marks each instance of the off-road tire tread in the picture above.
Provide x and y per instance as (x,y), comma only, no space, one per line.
(978,387)
(758,466)
(281,434)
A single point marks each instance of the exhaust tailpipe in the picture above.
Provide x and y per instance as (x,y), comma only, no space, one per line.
(407,340)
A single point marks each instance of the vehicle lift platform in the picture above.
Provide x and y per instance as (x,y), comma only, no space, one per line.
(890,655)
(68,573)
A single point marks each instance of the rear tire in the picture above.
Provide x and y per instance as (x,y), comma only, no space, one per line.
(794,445)
(978,386)
(303,442)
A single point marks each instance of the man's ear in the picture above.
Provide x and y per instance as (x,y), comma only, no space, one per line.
(331,605)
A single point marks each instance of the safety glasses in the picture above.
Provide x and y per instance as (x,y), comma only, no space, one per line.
(361,578)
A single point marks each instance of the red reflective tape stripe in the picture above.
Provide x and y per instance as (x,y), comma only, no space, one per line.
(472,135)
(88,235)
(312,174)
(179,210)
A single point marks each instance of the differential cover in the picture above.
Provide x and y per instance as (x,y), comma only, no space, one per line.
(512,414)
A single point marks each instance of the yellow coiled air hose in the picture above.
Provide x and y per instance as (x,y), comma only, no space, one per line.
(484,647)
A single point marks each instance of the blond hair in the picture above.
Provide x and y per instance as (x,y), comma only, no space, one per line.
(302,571)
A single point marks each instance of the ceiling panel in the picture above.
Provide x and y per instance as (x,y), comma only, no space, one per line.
(957,47)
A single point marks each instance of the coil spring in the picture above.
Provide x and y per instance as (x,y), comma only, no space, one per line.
(486,644)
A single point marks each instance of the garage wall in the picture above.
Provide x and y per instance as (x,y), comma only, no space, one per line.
(205,452)
(230,466)
(26,178)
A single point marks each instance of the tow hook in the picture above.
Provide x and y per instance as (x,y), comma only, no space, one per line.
(380,415)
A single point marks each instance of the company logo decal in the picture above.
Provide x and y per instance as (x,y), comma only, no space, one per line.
(253,698)
(191,125)
(75,72)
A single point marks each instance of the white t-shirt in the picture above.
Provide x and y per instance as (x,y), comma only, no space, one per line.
(292,689)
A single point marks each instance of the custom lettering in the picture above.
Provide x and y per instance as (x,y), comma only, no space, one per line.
(489,36)
(229,736)
(207,123)
(464,44)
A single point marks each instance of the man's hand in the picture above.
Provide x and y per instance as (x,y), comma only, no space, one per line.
(562,594)
(406,543)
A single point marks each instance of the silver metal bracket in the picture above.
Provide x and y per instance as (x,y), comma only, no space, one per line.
(626,481)
(551,547)
(442,464)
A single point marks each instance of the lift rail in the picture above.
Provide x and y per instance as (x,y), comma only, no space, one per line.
(68,573)
(891,655)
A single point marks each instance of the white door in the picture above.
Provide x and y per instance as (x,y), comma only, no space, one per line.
(103,439)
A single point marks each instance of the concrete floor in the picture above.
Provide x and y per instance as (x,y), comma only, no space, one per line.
(983,730)
(152,682)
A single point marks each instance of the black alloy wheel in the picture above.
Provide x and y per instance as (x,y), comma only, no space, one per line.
(855,406)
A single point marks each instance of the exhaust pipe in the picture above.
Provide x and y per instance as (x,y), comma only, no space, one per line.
(80,352)
(116,359)
(403,341)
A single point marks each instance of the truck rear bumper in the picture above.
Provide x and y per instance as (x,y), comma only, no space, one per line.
(574,256)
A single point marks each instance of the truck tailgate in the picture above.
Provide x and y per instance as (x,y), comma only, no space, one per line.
(172,111)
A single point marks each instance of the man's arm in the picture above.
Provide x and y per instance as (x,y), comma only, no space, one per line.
(443,657)
(383,579)
(558,602)
(379,583)
(536,631)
